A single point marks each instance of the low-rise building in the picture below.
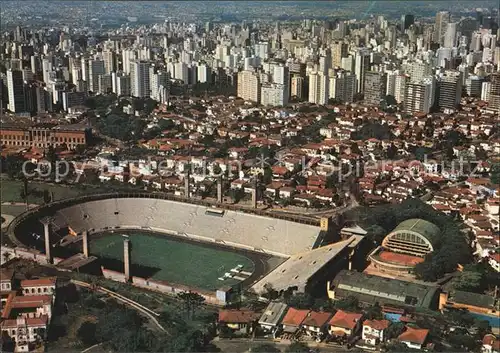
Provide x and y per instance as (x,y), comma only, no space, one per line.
(491,344)
(414,338)
(315,323)
(344,324)
(293,319)
(374,331)
(238,320)
(270,320)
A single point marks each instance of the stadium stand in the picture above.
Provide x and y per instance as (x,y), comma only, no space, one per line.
(274,236)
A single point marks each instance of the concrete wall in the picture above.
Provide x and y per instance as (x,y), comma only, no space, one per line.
(27,254)
(113,275)
(159,286)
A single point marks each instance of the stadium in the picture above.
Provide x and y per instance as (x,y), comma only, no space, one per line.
(193,244)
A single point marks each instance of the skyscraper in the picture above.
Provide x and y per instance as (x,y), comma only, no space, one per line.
(281,76)
(406,22)
(318,88)
(273,94)
(297,86)
(109,61)
(450,89)
(96,68)
(494,89)
(15,90)
(361,66)
(442,20)
(343,86)
(375,86)
(339,51)
(450,36)
(139,79)
(419,96)
(249,86)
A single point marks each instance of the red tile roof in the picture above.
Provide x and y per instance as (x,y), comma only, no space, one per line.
(377,324)
(345,319)
(39,282)
(237,316)
(31,301)
(294,317)
(414,335)
(317,319)
(492,340)
(32,321)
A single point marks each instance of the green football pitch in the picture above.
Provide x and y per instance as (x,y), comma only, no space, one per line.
(194,265)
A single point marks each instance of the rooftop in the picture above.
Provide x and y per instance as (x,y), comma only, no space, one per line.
(298,269)
(414,335)
(273,313)
(372,289)
(345,319)
(294,317)
(427,229)
(237,316)
(317,319)
(472,299)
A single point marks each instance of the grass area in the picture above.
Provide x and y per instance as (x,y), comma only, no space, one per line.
(11,191)
(184,263)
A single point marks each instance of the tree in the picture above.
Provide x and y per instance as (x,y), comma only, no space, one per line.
(458,340)
(7,256)
(397,347)
(80,149)
(347,304)
(51,155)
(394,330)
(495,174)
(468,281)
(265,348)
(297,347)
(87,333)
(374,312)
(225,332)
(300,301)
(46,196)
(191,302)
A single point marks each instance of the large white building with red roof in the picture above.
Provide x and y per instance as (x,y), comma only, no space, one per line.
(27,311)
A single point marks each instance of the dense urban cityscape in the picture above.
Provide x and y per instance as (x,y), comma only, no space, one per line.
(262,176)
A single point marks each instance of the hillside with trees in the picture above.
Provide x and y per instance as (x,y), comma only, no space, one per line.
(451,249)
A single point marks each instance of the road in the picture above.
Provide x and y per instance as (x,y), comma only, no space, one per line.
(150,314)
(243,345)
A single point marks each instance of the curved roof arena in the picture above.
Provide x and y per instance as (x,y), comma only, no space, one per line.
(413,236)
(98,213)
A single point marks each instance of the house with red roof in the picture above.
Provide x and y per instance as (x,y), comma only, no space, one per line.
(344,324)
(491,344)
(27,311)
(315,323)
(293,320)
(238,320)
(373,331)
(415,338)
(494,261)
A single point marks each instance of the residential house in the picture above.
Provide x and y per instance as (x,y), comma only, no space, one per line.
(270,320)
(293,319)
(344,324)
(39,286)
(373,331)
(414,338)
(315,323)
(238,320)
(6,280)
(491,344)
(494,261)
